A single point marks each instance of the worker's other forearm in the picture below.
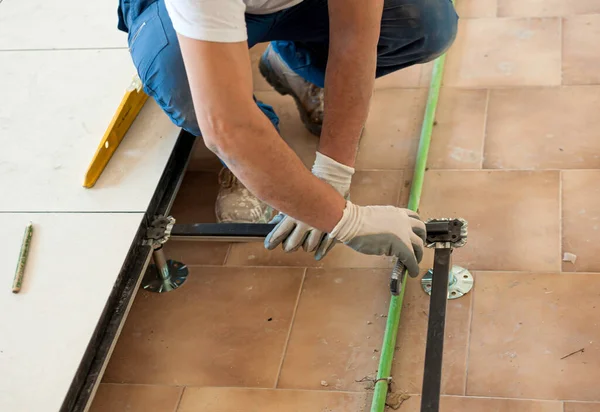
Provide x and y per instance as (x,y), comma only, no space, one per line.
(271,170)
(349,77)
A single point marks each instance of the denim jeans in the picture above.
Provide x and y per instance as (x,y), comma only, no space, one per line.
(412,32)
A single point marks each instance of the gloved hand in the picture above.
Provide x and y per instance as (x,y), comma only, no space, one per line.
(293,234)
(381,230)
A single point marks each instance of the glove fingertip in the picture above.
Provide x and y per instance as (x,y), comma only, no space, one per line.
(412,266)
(270,245)
(278,235)
(324,247)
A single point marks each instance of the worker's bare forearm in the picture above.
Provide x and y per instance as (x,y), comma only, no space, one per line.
(233,126)
(271,170)
(350,75)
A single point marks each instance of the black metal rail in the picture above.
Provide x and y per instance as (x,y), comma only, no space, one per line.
(434,350)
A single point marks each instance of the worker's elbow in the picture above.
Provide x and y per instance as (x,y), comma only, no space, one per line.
(219,135)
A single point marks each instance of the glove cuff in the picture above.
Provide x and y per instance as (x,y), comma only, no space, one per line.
(349,225)
(336,174)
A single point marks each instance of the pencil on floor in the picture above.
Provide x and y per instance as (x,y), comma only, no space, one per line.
(20,272)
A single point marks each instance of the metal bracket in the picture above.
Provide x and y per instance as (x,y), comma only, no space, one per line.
(164,275)
(159,231)
(446,233)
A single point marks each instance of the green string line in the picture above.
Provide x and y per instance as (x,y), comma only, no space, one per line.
(393,319)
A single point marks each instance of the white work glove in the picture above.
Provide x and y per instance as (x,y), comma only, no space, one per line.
(292,233)
(381,230)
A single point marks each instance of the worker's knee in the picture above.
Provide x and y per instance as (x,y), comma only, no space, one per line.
(176,102)
(416,31)
(440,30)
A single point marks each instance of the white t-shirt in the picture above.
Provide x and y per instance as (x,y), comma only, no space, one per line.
(219,20)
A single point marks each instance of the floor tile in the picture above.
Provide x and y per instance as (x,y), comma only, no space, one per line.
(136,398)
(513,217)
(468,9)
(67,130)
(381,187)
(291,127)
(195,202)
(581,219)
(524,328)
(255,254)
(338,330)
(203,160)
(426,72)
(196,253)
(407,368)
(405,78)
(581,35)
(264,400)
(74,261)
(467,404)
(224,327)
(391,134)
(505,52)
(458,133)
(582,407)
(31,24)
(546,8)
(528,128)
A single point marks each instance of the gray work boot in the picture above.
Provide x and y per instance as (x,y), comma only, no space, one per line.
(235,203)
(309,97)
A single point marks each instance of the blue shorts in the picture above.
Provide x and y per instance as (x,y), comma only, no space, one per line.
(412,32)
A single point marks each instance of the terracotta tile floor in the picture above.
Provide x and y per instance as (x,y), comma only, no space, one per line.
(515,151)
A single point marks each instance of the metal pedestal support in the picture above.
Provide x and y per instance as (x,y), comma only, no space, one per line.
(164,275)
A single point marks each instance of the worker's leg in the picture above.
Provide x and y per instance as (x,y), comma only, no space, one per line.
(412,32)
(155,52)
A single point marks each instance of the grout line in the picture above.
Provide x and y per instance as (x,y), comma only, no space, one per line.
(470,334)
(560,220)
(401,191)
(143,384)
(262,389)
(560,33)
(344,392)
(485,124)
(564,406)
(179,400)
(227,255)
(287,340)
(516,399)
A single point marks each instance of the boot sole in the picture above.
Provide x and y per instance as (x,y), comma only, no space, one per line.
(283,90)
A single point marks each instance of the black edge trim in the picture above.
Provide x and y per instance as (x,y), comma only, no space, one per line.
(96,353)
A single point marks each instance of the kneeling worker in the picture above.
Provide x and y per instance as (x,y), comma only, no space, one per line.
(192,57)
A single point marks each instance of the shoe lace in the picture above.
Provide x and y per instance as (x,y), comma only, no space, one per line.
(226,178)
